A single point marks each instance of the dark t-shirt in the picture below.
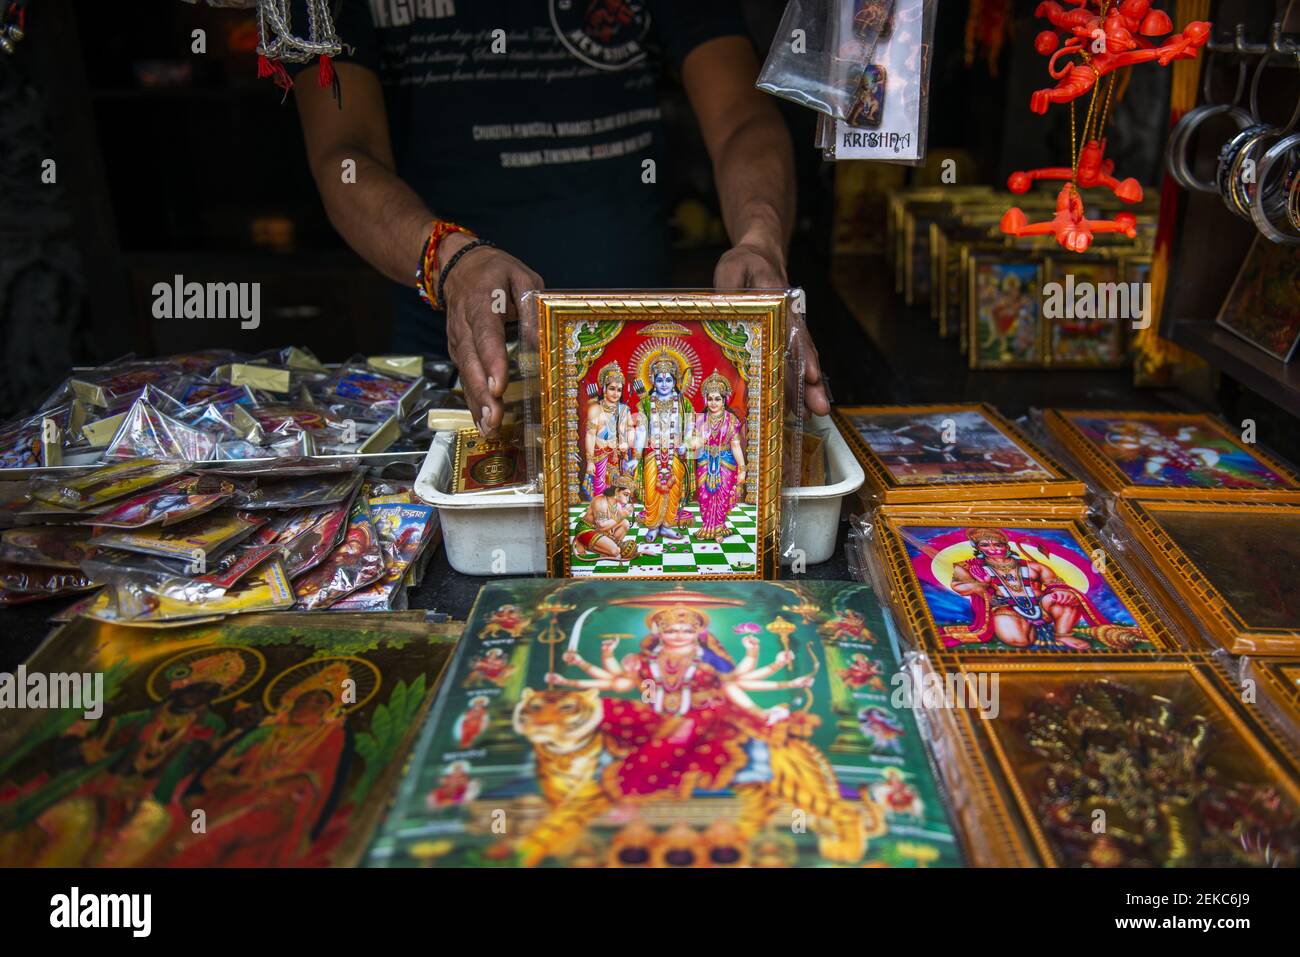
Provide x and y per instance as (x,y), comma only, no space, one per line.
(529,122)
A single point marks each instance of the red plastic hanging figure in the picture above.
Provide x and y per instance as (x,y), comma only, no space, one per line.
(1102,36)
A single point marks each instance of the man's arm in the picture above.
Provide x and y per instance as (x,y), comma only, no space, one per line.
(753,166)
(387,223)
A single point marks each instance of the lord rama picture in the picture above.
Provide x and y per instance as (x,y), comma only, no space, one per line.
(662,451)
(676,724)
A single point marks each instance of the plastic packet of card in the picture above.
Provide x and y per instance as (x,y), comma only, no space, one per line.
(888,107)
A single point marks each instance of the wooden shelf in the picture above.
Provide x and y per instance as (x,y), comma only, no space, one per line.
(1274,380)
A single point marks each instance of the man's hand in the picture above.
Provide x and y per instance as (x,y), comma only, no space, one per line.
(475,333)
(753,264)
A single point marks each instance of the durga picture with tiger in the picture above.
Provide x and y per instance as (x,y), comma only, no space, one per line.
(659,725)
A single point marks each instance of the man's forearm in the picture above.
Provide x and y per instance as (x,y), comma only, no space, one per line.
(754,170)
(378,215)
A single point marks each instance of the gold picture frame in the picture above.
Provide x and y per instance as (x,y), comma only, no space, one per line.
(1095,610)
(1056,349)
(1234,627)
(1006,783)
(1050,479)
(1165,441)
(1023,268)
(590,338)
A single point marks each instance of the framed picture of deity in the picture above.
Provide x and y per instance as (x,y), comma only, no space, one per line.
(944,453)
(980,584)
(1276,684)
(1004,311)
(640,723)
(286,734)
(1170,455)
(662,431)
(1165,753)
(1092,304)
(1231,563)
(1263,306)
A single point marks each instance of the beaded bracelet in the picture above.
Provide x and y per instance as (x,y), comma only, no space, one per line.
(446,270)
(428,268)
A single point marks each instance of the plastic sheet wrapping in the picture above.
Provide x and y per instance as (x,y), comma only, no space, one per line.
(1221,568)
(177,500)
(358,561)
(36,441)
(147,600)
(657,421)
(20,584)
(54,546)
(403,534)
(864,65)
(949,453)
(146,432)
(305,491)
(1167,455)
(986,584)
(1272,685)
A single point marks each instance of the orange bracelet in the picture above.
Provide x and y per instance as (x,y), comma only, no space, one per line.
(426,276)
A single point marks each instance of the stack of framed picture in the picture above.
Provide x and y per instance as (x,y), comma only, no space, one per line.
(1085,711)
(1213,517)
(1017,304)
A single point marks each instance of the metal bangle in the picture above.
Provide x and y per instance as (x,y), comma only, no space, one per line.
(1293,201)
(1180,168)
(1228,169)
(1268,203)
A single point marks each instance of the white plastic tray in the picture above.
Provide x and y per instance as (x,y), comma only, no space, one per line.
(503,533)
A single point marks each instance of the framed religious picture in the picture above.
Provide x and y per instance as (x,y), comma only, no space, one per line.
(1004,310)
(662,433)
(1263,306)
(1086,307)
(764,694)
(1182,772)
(1276,684)
(980,584)
(942,453)
(287,731)
(1170,455)
(1231,563)
(487,465)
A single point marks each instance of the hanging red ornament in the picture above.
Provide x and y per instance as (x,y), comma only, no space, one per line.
(1093,42)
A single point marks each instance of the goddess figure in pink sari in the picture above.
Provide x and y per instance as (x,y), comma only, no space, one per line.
(719,459)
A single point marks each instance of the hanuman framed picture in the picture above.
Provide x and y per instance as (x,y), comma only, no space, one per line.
(982,584)
(1170,455)
(662,422)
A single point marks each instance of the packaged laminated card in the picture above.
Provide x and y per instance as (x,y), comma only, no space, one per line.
(147,600)
(358,561)
(105,484)
(183,498)
(941,453)
(640,724)
(383,395)
(37,441)
(286,731)
(305,537)
(55,546)
(199,540)
(305,491)
(1228,566)
(1013,586)
(20,584)
(1170,455)
(403,534)
(1123,764)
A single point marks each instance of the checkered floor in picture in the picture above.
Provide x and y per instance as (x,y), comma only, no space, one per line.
(736,554)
